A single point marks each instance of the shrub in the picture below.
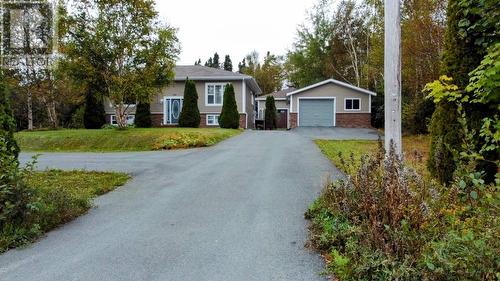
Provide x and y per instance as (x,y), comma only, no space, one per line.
(190,115)
(270,113)
(94,117)
(7,123)
(143,116)
(229,117)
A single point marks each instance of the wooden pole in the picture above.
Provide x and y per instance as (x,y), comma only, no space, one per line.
(392,75)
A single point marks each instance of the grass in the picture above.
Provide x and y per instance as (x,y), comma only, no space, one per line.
(111,140)
(61,196)
(416,150)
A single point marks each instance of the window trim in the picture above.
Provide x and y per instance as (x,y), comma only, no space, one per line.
(215,119)
(206,93)
(352,99)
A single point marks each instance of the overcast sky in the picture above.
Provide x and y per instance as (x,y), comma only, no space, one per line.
(233,27)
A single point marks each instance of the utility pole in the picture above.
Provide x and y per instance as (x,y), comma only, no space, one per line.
(392,75)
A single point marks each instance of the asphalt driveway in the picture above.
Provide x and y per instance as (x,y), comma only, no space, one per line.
(230,212)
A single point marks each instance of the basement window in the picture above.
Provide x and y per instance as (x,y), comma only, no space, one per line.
(212,120)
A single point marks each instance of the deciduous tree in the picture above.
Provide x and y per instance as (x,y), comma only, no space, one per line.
(123,44)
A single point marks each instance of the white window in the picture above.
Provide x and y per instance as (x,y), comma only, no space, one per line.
(130,120)
(214,93)
(212,120)
(352,104)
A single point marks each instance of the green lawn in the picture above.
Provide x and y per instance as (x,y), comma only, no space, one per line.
(416,149)
(111,140)
(60,196)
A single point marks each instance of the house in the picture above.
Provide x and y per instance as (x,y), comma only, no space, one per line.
(210,83)
(329,103)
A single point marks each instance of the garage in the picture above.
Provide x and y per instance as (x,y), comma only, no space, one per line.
(317,112)
(330,103)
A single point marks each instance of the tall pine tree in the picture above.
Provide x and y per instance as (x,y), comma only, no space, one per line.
(228,64)
(216,62)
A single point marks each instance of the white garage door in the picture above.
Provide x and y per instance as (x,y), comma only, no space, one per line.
(317,113)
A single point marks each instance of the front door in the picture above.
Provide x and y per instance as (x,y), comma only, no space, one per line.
(173,108)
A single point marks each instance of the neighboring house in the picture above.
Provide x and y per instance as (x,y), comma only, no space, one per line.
(210,83)
(330,103)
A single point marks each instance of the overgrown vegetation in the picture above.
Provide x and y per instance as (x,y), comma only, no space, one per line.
(387,222)
(50,199)
(113,140)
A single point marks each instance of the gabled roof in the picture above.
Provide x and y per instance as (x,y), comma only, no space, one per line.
(279,95)
(332,81)
(205,73)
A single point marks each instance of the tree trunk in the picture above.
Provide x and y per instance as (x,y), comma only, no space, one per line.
(52,114)
(30,111)
(121,116)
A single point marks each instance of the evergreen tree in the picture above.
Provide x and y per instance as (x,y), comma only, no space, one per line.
(190,115)
(209,62)
(270,113)
(242,65)
(94,116)
(228,64)
(215,62)
(143,116)
(229,117)
(460,58)
(7,123)
(445,138)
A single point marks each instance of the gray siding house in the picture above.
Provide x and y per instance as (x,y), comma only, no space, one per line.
(166,106)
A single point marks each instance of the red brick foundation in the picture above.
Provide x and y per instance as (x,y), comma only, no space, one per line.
(354,120)
(157,120)
(293,120)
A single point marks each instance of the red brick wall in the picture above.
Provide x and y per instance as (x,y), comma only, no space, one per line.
(293,120)
(157,120)
(344,120)
(354,120)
